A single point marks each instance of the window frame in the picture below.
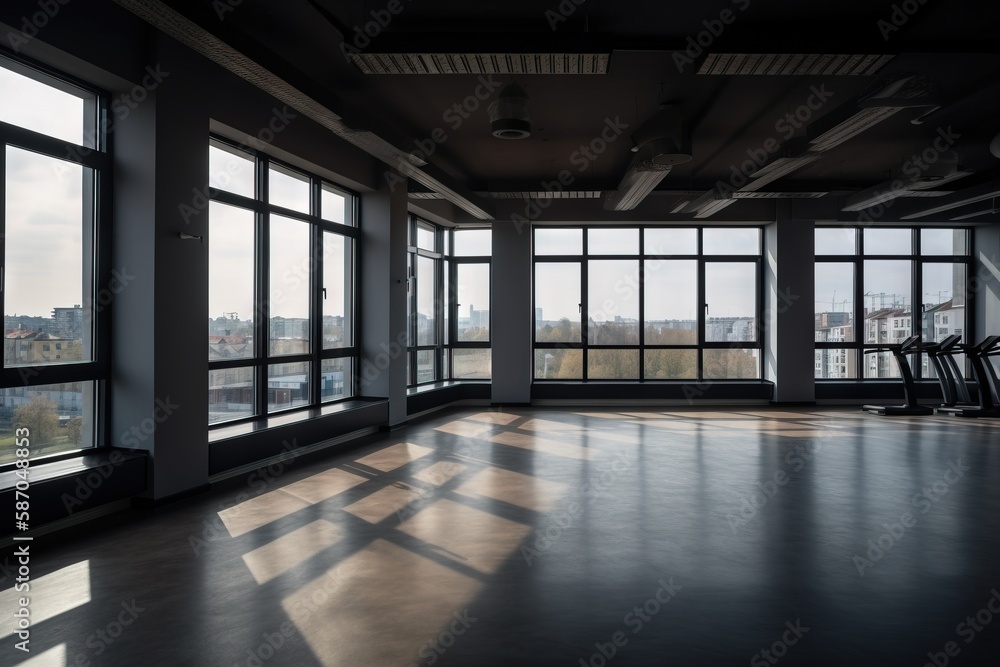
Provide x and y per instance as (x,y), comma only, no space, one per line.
(701,319)
(446,263)
(261,208)
(916,260)
(94,154)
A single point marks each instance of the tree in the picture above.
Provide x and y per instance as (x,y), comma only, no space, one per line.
(74,429)
(40,418)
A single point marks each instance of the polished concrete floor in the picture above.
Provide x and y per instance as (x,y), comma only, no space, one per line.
(557,537)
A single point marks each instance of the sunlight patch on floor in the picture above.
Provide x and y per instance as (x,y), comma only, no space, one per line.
(379,506)
(511,487)
(274,559)
(542,445)
(50,595)
(469,536)
(380,606)
(396,456)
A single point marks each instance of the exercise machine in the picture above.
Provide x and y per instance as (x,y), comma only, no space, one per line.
(899,351)
(942,356)
(987,383)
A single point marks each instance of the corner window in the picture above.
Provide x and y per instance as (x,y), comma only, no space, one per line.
(281,287)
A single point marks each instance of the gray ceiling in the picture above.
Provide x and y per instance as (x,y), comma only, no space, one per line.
(951,43)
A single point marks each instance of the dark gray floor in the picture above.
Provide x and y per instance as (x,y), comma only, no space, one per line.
(560,537)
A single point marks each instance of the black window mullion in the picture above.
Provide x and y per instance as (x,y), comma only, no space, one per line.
(261,326)
(584,306)
(642,304)
(316,293)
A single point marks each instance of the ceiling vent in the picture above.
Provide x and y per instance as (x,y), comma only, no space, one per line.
(509,114)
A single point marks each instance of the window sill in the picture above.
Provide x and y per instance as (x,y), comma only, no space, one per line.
(437,386)
(225,432)
(64,488)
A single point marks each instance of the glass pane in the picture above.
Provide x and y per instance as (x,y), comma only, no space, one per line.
(59,418)
(731,241)
(338,298)
(613,302)
(670,364)
(613,364)
(336,380)
(883,365)
(834,302)
(888,241)
(289,302)
(42,108)
(473,242)
(230,170)
(425,366)
(944,242)
(943,307)
(671,308)
(336,206)
(426,302)
(288,189)
(471,364)
(731,295)
(558,241)
(561,364)
(681,241)
(230,282)
(49,256)
(837,363)
(287,386)
(887,301)
(425,238)
(445,358)
(230,394)
(613,241)
(473,303)
(836,241)
(731,364)
(557,302)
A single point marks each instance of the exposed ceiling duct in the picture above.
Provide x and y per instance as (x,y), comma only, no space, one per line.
(958,199)
(944,171)
(174,24)
(659,144)
(831,130)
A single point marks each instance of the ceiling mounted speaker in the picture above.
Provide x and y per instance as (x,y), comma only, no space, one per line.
(509,115)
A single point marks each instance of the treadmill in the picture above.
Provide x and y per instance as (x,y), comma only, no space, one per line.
(986,380)
(910,406)
(953,388)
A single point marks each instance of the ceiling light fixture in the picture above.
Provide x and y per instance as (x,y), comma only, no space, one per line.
(510,117)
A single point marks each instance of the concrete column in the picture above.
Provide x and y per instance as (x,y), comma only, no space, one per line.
(512,318)
(160,385)
(383,298)
(789,309)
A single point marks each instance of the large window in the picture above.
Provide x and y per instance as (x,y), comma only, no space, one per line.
(56,279)
(449,303)
(647,303)
(281,287)
(866,279)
